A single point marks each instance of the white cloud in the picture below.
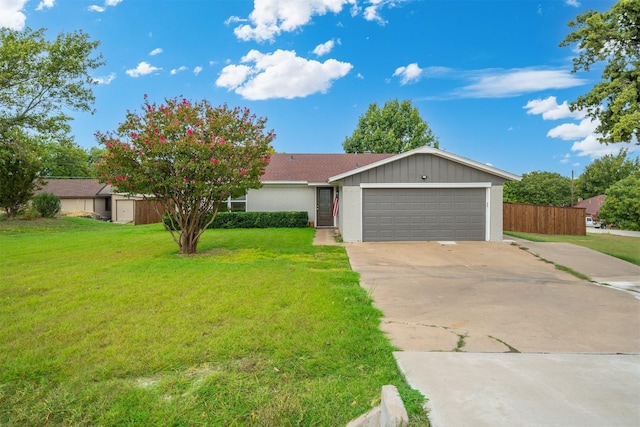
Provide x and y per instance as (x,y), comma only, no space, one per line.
(107,3)
(197,70)
(105,80)
(437,71)
(518,81)
(232,76)
(142,69)
(550,109)
(269,18)
(409,74)
(590,146)
(177,70)
(574,3)
(234,20)
(582,133)
(11,15)
(324,48)
(156,51)
(46,4)
(281,74)
(372,12)
(572,131)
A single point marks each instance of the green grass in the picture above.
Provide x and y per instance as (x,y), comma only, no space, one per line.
(105,324)
(623,247)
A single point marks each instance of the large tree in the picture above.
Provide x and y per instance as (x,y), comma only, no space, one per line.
(539,188)
(19,171)
(189,156)
(94,157)
(612,37)
(41,80)
(395,128)
(622,205)
(602,173)
(64,158)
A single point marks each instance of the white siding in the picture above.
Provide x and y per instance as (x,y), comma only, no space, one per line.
(76,205)
(495,212)
(350,223)
(283,198)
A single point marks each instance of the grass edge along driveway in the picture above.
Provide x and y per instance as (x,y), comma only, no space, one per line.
(622,247)
(105,324)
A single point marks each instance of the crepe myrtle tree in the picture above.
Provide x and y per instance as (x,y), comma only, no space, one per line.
(189,156)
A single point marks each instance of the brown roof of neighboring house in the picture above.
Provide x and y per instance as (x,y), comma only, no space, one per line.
(315,167)
(592,205)
(77,188)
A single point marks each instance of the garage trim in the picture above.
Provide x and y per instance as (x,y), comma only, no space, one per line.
(487,197)
(427,185)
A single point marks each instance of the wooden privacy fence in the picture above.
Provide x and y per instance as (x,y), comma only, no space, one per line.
(147,212)
(543,219)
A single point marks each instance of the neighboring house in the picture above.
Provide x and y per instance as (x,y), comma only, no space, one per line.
(422,194)
(124,207)
(592,205)
(81,195)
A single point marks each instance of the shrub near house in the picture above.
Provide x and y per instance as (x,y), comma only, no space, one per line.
(257,220)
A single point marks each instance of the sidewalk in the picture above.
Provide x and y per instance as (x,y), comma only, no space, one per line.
(326,237)
(600,268)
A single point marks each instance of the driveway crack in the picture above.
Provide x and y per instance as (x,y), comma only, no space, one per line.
(511,349)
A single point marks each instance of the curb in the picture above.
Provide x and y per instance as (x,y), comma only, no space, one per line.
(390,413)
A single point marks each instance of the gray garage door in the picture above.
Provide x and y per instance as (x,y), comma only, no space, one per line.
(423,214)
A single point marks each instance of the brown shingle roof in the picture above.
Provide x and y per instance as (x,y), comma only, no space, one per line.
(592,205)
(315,167)
(74,188)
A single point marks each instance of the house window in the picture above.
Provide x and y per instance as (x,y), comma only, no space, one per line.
(238,204)
(107,204)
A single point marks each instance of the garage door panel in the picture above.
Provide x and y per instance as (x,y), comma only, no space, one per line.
(424,214)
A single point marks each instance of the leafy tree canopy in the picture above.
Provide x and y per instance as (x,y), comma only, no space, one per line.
(41,79)
(622,205)
(64,159)
(19,171)
(539,188)
(189,156)
(602,173)
(395,128)
(94,157)
(612,37)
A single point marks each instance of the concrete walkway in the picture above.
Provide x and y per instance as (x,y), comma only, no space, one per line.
(494,335)
(564,390)
(326,237)
(599,267)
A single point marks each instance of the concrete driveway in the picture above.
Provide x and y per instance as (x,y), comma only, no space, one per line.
(493,335)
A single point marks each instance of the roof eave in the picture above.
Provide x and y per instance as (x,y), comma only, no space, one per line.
(284,182)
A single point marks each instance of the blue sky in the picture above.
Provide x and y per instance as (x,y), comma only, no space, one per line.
(487,75)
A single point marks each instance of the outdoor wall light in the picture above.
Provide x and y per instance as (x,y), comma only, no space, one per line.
(423,176)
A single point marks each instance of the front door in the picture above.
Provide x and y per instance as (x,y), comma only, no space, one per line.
(323,213)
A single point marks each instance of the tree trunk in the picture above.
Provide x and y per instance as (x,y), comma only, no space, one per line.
(189,241)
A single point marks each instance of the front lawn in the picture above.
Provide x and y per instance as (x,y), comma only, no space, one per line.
(623,247)
(105,324)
